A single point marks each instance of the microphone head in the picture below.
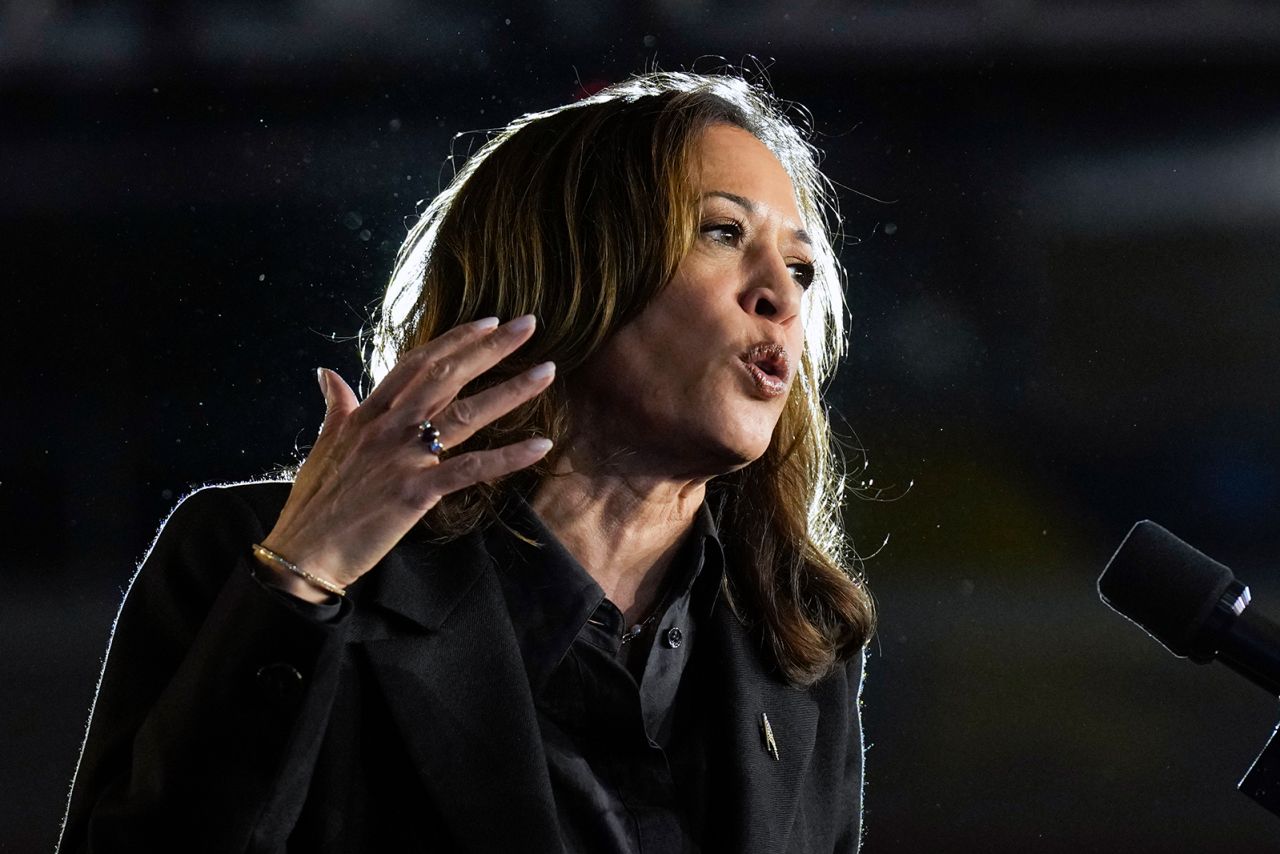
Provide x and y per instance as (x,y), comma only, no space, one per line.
(1166,587)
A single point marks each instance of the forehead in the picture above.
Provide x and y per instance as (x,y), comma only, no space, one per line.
(729,159)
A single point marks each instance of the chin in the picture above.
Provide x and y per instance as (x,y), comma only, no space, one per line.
(731,453)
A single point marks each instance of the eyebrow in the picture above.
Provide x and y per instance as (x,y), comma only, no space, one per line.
(750,207)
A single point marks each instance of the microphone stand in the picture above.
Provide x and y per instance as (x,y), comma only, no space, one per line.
(1262,781)
(1248,643)
(1250,648)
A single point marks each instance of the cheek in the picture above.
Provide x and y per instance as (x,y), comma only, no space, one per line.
(795,346)
(701,281)
(635,366)
(672,333)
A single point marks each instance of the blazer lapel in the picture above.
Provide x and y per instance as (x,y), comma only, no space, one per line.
(456,686)
(757,793)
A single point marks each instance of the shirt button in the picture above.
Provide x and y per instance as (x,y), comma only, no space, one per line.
(674,638)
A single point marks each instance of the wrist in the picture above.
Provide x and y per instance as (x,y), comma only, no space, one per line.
(294,579)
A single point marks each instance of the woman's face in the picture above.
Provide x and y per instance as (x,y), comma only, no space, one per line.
(696,383)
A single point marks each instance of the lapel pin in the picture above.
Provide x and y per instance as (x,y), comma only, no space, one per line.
(766,732)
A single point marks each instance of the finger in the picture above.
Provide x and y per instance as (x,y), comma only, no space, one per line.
(411,365)
(446,376)
(464,417)
(475,467)
(339,402)
(339,399)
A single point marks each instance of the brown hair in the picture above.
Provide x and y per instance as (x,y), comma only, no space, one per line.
(580,215)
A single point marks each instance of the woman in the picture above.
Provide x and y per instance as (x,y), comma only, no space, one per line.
(446,633)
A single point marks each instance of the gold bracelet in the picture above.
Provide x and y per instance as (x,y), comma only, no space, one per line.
(266,555)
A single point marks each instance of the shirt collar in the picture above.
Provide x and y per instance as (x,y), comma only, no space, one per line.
(550,596)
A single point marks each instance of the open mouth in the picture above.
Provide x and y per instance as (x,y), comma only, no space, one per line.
(768,366)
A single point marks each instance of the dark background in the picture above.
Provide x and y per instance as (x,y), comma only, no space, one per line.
(1060,237)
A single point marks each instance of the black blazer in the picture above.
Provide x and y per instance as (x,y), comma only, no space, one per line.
(227,720)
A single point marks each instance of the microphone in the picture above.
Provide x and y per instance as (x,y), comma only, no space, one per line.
(1191,604)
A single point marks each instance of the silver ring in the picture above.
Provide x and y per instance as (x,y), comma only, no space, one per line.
(430,437)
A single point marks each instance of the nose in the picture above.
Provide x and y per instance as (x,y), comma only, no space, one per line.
(771,290)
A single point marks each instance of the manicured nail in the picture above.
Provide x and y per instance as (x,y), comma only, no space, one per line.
(485,323)
(541,372)
(323,379)
(523,323)
(540,445)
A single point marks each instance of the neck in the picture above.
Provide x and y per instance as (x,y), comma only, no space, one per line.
(624,528)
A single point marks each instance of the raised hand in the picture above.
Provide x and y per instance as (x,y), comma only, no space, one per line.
(371,476)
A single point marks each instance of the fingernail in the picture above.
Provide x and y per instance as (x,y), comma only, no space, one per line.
(522,324)
(323,379)
(541,372)
(485,323)
(540,445)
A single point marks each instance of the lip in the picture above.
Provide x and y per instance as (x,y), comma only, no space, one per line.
(767,365)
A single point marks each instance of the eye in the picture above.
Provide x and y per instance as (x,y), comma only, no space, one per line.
(727,232)
(803,274)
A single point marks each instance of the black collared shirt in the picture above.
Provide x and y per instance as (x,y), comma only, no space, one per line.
(619,723)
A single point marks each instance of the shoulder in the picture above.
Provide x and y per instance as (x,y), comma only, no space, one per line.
(838,696)
(216,516)
(215,505)
(856,671)
(207,534)
(844,683)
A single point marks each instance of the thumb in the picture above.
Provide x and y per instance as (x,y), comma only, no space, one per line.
(339,399)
